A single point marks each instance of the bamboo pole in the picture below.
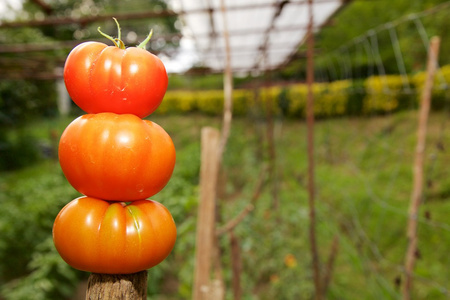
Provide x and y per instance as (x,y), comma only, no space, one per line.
(227,86)
(206,213)
(310,146)
(418,166)
(117,287)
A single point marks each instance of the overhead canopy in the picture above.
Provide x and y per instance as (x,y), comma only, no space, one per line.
(263,34)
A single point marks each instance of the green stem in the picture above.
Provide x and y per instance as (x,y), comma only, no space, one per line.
(119,31)
(108,37)
(144,42)
(117,41)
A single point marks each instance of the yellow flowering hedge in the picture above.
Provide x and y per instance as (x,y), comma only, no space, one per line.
(209,102)
(440,92)
(177,102)
(381,94)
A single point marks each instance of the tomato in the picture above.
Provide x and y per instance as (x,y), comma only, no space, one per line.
(102,78)
(113,238)
(116,157)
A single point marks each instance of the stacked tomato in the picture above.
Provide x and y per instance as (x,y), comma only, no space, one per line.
(116,160)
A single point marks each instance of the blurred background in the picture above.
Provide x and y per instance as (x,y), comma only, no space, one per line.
(370,60)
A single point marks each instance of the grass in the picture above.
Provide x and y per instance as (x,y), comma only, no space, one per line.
(363,181)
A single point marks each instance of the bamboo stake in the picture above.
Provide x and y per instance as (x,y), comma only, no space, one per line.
(236,265)
(417,191)
(310,142)
(227,86)
(206,213)
(117,287)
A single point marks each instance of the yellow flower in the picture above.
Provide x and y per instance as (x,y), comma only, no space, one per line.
(290,261)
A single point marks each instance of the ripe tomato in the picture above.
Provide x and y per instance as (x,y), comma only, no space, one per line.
(116,157)
(113,238)
(102,78)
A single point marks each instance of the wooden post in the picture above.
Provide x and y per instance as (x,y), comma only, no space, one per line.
(417,191)
(310,142)
(206,213)
(117,287)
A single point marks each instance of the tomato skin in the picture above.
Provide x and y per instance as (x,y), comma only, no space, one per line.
(116,157)
(102,78)
(113,238)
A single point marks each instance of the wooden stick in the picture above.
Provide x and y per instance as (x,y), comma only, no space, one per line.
(231,224)
(417,191)
(117,287)
(272,151)
(310,142)
(206,213)
(227,86)
(236,266)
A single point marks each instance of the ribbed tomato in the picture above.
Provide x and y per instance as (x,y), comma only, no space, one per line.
(113,238)
(102,78)
(116,157)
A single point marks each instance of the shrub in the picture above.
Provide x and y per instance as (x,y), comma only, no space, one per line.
(332,101)
(210,102)
(382,94)
(177,102)
(440,92)
(18,149)
(356,94)
(22,100)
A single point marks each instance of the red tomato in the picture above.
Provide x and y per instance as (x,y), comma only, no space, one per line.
(116,157)
(102,78)
(114,238)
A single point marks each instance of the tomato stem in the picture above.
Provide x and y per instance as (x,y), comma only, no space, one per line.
(119,31)
(108,37)
(117,41)
(119,35)
(144,42)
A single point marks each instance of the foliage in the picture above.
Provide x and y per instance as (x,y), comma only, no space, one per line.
(31,198)
(20,102)
(49,278)
(440,92)
(383,93)
(18,151)
(208,102)
(196,82)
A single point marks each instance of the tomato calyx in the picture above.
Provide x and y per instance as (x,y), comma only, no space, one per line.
(118,41)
